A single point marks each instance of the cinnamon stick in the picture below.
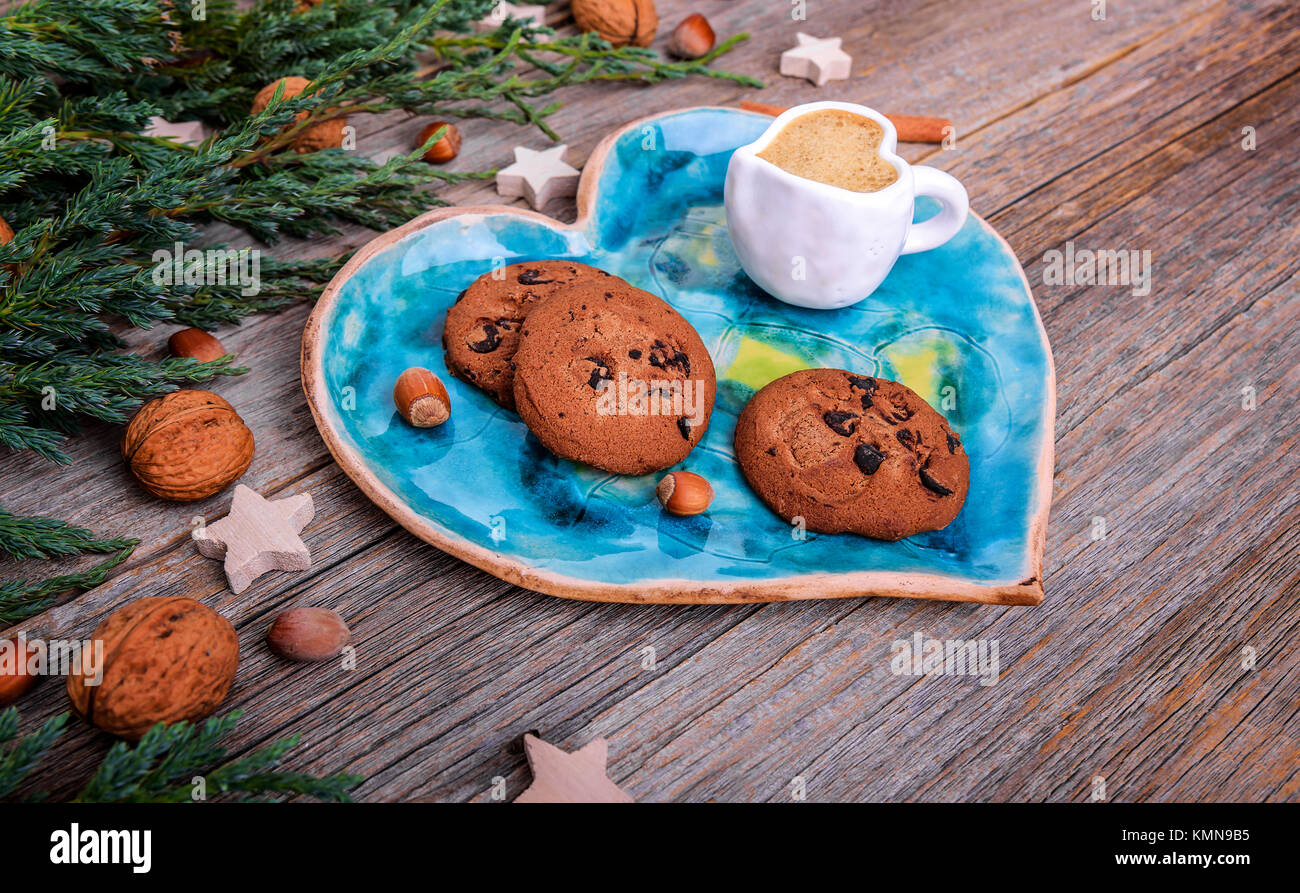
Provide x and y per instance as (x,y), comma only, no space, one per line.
(911,128)
(920,128)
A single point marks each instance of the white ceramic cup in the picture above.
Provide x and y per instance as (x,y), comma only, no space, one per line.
(816,245)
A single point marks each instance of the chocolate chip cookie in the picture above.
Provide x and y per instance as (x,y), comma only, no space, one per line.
(610,375)
(852,454)
(483,326)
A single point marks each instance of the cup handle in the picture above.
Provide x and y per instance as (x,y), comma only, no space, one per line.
(943,226)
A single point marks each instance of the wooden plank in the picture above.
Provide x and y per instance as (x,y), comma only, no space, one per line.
(1242,239)
(1051,161)
(913,60)
(1143,637)
(1128,669)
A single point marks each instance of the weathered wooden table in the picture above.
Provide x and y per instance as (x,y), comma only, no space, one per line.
(1173,556)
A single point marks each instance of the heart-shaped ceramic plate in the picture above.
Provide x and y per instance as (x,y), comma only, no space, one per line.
(957,324)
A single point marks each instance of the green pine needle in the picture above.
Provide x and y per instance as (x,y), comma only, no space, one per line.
(94,200)
(163,765)
(17,762)
(25,538)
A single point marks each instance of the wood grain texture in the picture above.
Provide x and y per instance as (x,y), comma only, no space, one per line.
(1123,134)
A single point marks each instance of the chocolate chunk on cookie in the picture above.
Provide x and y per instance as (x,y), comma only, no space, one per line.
(610,375)
(852,454)
(483,326)
(842,423)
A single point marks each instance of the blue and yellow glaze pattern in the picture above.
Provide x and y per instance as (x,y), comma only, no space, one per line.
(956,324)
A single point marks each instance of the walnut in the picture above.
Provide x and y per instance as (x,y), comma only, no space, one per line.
(164,660)
(187,445)
(619,21)
(325,135)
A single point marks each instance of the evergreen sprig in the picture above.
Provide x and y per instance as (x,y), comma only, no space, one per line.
(95,200)
(34,537)
(17,762)
(162,766)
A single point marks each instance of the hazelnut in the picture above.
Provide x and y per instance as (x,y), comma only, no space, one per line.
(164,660)
(446,148)
(7,236)
(196,344)
(421,398)
(621,22)
(187,445)
(693,38)
(15,681)
(308,634)
(324,135)
(684,493)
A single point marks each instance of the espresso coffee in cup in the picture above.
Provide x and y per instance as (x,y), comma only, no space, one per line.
(820,207)
(833,147)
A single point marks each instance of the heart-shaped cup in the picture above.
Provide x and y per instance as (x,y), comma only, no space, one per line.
(814,244)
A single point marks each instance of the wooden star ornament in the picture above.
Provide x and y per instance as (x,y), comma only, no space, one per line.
(534,15)
(819,60)
(191,133)
(563,777)
(538,176)
(258,536)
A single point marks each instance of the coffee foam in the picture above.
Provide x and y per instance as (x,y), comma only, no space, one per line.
(834,147)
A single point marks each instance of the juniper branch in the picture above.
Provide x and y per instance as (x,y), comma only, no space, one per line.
(36,537)
(20,759)
(161,767)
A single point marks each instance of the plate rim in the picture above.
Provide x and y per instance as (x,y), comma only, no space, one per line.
(666,591)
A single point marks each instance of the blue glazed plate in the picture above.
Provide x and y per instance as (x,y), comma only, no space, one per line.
(957,324)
